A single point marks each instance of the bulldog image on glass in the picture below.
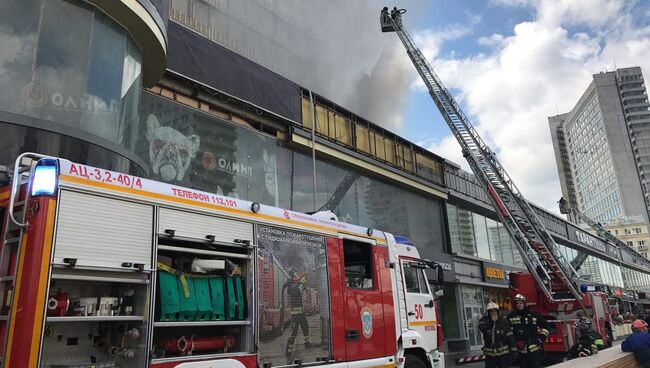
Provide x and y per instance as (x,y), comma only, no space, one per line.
(170,151)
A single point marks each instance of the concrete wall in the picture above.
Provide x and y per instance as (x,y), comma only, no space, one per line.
(619,144)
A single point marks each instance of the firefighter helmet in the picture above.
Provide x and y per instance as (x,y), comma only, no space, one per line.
(583,325)
(639,324)
(492,305)
(519,297)
(582,320)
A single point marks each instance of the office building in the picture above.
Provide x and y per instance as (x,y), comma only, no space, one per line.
(602,147)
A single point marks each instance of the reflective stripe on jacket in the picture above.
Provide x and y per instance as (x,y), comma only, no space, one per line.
(497,335)
(528,327)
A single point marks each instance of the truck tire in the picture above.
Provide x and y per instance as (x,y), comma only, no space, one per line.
(413,361)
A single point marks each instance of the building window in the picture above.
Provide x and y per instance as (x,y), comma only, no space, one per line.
(637,230)
(77,68)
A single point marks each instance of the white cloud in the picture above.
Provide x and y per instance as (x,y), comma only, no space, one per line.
(494,39)
(592,13)
(537,70)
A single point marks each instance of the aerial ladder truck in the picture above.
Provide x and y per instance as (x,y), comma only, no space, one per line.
(552,286)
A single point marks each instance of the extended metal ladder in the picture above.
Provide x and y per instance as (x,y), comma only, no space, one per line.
(553,273)
(577,262)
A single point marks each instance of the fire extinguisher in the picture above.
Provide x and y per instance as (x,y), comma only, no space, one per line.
(184,346)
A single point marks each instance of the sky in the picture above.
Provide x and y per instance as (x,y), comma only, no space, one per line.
(511,64)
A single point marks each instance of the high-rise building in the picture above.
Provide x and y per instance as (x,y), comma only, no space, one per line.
(602,147)
(631,230)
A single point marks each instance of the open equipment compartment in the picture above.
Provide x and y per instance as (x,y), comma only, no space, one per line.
(204,301)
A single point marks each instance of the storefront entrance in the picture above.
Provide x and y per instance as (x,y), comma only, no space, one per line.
(474,310)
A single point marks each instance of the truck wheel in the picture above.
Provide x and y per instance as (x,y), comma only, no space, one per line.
(413,361)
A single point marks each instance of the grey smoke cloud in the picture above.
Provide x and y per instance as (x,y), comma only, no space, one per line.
(359,67)
(335,48)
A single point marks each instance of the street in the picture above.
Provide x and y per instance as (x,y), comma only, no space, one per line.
(616,345)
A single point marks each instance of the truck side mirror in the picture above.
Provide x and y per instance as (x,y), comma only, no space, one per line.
(439,294)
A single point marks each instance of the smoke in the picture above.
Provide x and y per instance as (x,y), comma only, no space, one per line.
(334,48)
(358,67)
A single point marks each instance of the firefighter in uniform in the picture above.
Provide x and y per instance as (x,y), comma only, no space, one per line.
(530,330)
(500,348)
(295,287)
(586,345)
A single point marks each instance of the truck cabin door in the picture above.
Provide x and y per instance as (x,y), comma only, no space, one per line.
(421,315)
(364,314)
(600,308)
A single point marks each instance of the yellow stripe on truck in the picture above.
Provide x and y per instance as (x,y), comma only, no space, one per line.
(42,283)
(422,323)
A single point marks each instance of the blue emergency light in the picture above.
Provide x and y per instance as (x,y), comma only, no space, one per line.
(46,177)
(403,240)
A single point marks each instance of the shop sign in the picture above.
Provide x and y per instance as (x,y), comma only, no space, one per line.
(494,273)
(446,262)
(37,96)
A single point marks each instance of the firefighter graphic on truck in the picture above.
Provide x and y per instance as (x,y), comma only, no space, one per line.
(292,298)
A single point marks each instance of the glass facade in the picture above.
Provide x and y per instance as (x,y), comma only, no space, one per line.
(635,279)
(592,166)
(15,139)
(599,271)
(71,65)
(479,236)
(188,147)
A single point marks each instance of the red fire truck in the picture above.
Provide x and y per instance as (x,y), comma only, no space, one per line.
(562,316)
(102,269)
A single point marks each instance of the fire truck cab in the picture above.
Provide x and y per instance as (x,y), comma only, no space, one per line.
(103,269)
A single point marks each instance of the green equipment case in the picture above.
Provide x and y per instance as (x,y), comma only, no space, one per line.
(203,302)
(218,299)
(188,307)
(169,297)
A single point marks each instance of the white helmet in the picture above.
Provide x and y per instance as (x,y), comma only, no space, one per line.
(519,297)
(492,305)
